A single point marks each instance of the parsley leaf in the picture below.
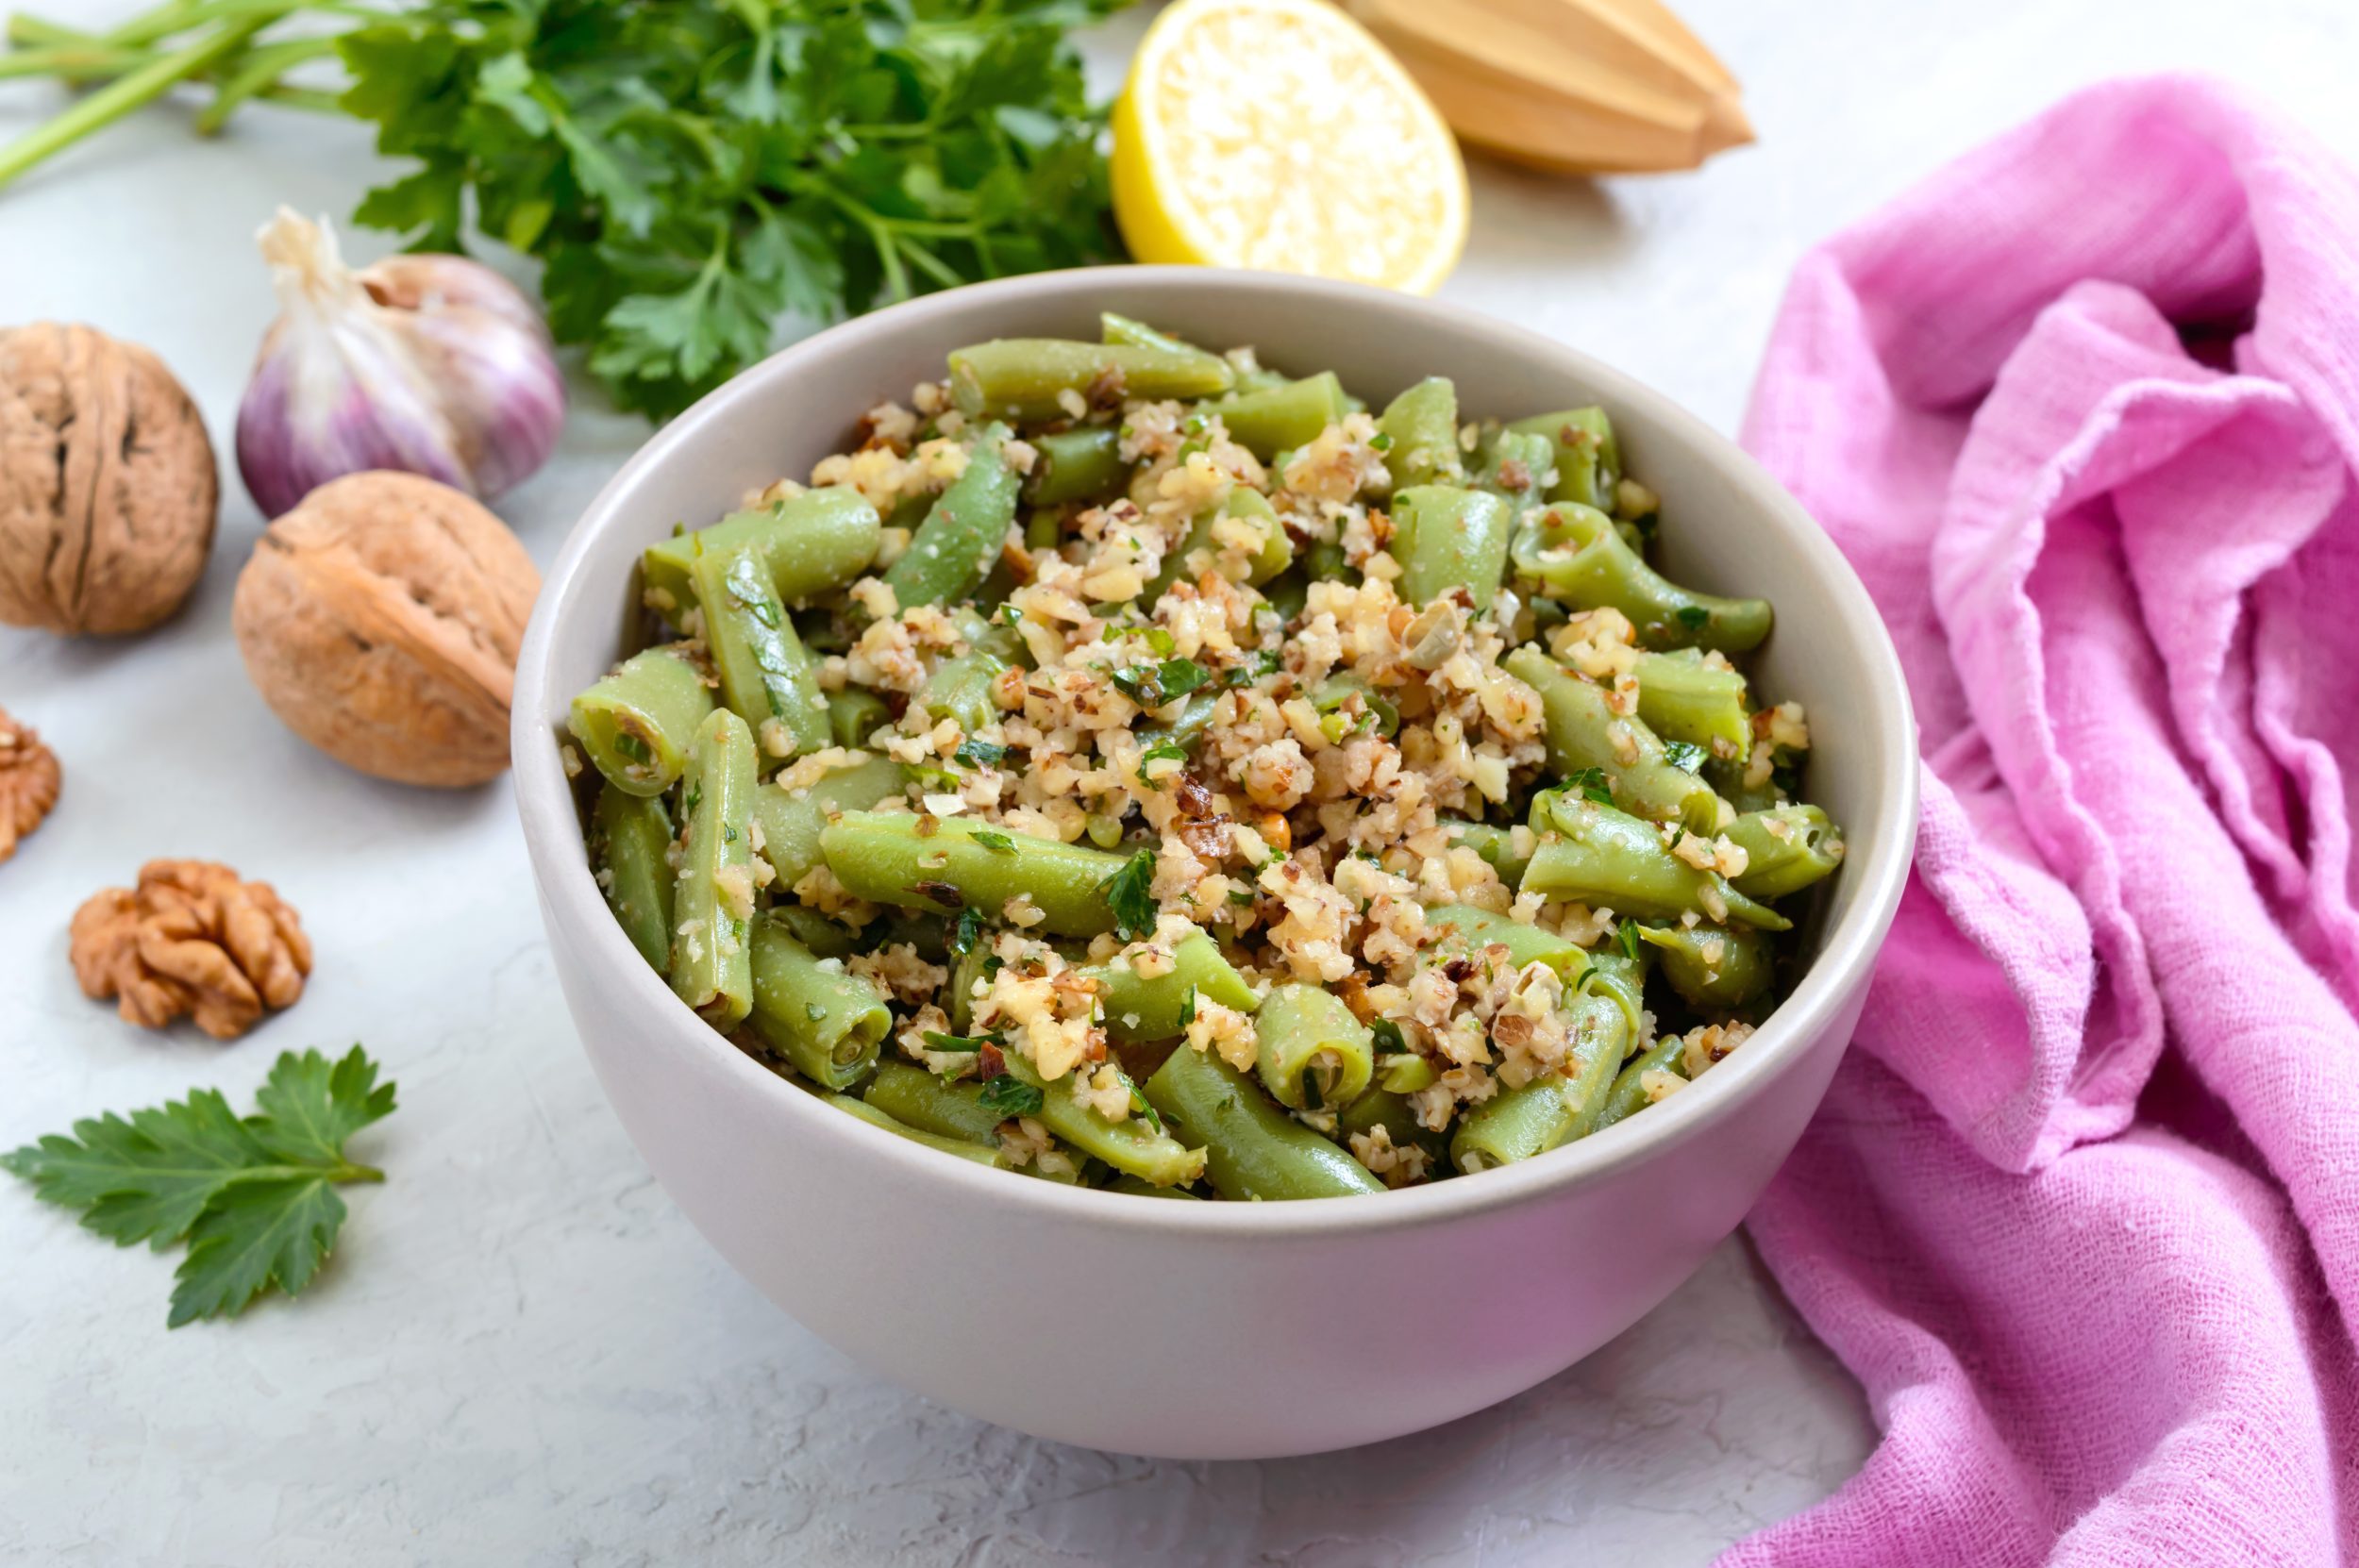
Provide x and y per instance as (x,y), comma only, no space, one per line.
(1692,616)
(1592,784)
(965,932)
(1129,893)
(959,1042)
(1153,685)
(1626,934)
(1684,753)
(1187,1010)
(1144,1112)
(1266,663)
(253,1196)
(1008,1095)
(997,842)
(979,754)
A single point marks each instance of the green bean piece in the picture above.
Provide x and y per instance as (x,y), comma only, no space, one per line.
(1576,554)
(1132,333)
(812,543)
(1136,1145)
(1682,698)
(1516,468)
(1282,418)
(1748,799)
(927,935)
(1553,1110)
(1138,1189)
(636,723)
(712,901)
(765,672)
(1447,538)
(826,939)
(949,1108)
(1325,563)
(1497,845)
(1582,730)
(1139,1008)
(1315,1055)
(854,715)
(1196,716)
(1290,592)
(1252,1148)
(1081,464)
(791,820)
(1597,855)
(959,689)
(976,1154)
(1711,968)
(1421,425)
(954,549)
(887,858)
(1276,555)
(1468,931)
(1588,459)
(631,835)
(1620,978)
(1022,378)
(967,972)
(1045,530)
(1786,849)
(1629,1094)
(826,1022)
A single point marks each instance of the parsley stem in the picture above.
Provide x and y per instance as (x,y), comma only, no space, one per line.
(344,1174)
(123,95)
(70,63)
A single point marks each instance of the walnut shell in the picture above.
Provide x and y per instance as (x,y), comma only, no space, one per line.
(107,489)
(380,620)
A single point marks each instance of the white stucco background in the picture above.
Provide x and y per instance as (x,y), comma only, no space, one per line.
(522,1353)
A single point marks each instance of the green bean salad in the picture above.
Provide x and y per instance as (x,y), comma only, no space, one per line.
(1131,766)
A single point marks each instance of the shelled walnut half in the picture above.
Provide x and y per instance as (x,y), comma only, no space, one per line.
(192,940)
(28,783)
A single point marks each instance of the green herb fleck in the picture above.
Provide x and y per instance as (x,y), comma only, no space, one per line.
(1008,1095)
(1628,936)
(1187,1008)
(1153,685)
(1129,894)
(1684,753)
(979,754)
(1144,1112)
(1692,616)
(965,932)
(961,1043)
(1592,784)
(998,843)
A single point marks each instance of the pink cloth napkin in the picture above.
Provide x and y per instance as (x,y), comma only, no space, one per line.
(2081,1211)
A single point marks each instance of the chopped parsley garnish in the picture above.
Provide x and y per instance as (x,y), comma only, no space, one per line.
(1187,1008)
(1266,663)
(632,747)
(1008,1095)
(1144,1112)
(1154,685)
(979,754)
(1628,937)
(961,1043)
(1380,443)
(1386,1034)
(937,780)
(1592,784)
(998,843)
(1692,616)
(1129,894)
(965,932)
(1684,753)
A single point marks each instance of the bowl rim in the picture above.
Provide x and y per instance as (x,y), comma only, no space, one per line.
(1848,945)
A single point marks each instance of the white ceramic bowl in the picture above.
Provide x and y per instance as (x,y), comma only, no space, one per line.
(1217,1330)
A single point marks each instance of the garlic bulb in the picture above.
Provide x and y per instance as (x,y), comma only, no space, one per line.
(428,364)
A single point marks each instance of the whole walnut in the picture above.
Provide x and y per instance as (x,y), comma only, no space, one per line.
(108,490)
(380,620)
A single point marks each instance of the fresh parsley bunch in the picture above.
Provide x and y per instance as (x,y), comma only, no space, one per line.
(252,1196)
(691,170)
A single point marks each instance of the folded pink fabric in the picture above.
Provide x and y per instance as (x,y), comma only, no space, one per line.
(2081,1211)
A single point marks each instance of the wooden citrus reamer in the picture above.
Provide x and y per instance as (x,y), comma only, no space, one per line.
(1575,86)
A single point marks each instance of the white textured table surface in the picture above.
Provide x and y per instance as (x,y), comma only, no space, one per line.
(522,1353)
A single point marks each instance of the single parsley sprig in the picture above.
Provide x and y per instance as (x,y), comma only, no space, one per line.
(252,1196)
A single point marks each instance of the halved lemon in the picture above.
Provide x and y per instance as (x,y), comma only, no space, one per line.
(1278,135)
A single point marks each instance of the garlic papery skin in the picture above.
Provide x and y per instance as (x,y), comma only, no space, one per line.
(428,364)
